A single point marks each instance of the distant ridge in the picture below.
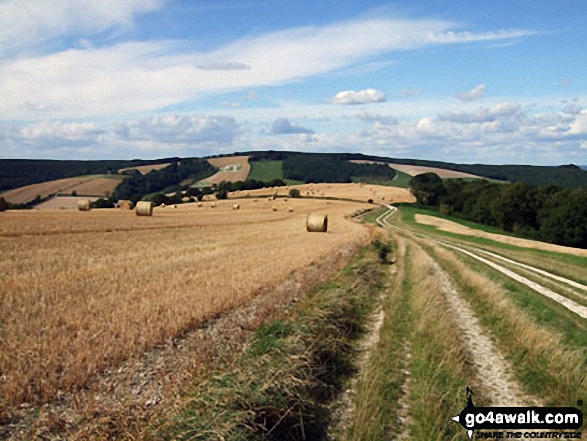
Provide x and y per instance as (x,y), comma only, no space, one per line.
(16,173)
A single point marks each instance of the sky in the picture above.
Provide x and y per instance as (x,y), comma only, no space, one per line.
(468,81)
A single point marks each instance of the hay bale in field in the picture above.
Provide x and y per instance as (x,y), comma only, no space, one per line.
(290,209)
(162,205)
(125,204)
(144,208)
(317,223)
(284,199)
(174,205)
(213,205)
(200,204)
(255,200)
(83,205)
(186,199)
(236,207)
(274,208)
(3,204)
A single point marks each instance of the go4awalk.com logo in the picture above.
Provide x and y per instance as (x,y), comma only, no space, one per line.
(509,422)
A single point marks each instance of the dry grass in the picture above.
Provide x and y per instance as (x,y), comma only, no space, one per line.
(453,227)
(232,169)
(83,291)
(95,185)
(356,192)
(144,169)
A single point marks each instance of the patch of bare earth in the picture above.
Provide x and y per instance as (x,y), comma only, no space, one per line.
(129,400)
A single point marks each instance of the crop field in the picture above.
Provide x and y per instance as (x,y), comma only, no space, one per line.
(354,191)
(85,290)
(144,169)
(232,169)
(94,185)
(63,202)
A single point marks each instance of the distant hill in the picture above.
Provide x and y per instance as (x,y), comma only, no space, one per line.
(292,167)
(16,173)
(565,176)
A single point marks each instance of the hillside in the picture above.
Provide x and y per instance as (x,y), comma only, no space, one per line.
(91,185)
(291,167)
(15,173)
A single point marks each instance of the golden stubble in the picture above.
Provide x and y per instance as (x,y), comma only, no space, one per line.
(84,290)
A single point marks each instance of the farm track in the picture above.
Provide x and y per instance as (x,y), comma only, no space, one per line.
(566,302)
(493,373)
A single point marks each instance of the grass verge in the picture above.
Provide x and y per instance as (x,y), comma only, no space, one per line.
(281,388)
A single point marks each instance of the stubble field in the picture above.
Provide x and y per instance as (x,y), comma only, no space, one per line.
(84,290)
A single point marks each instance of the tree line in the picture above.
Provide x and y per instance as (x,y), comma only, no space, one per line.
(548,213)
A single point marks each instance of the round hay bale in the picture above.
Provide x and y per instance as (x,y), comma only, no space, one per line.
(213,205)
(255,200)
(163,205)
(144,208)
(200,204)
(125,204)
(317,223)
(274,208)
(83,205)
(174,205)
(290,209)
(3,204)
(284,199)
(236,207)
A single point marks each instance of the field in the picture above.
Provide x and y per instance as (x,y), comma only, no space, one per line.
(232,169)
(414,170)
(144,169)
(354,191)
(91,185)
(266,170)
(62,203)
(83,291)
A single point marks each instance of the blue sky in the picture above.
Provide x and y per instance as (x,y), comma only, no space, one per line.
(464,81)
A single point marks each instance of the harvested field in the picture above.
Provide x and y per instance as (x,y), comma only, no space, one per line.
(144,169)
(414,170)
(453,227)
(91,185)
(85,291)
(232,169)
(356,192)
(63,203)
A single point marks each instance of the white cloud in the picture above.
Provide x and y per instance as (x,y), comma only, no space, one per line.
(135,77)
(473,94)
(52,133)
(282,126)
(366,96)
(32,22)
(189,129)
